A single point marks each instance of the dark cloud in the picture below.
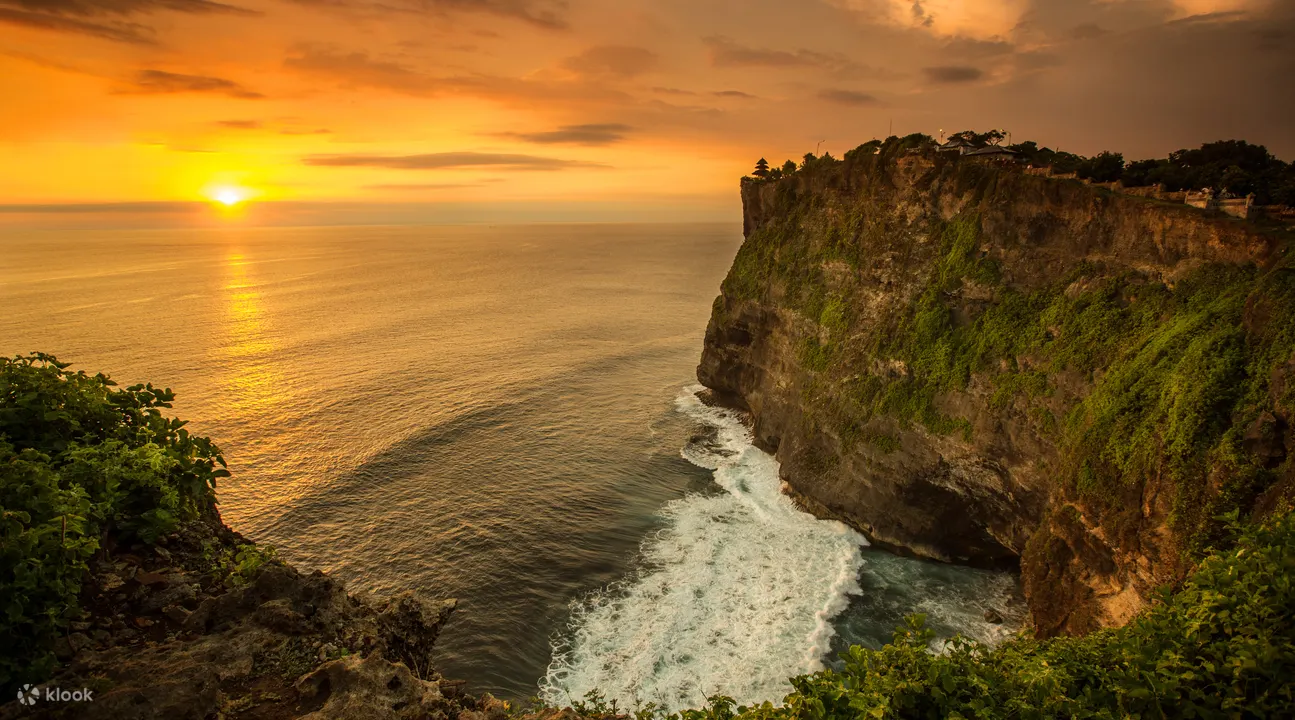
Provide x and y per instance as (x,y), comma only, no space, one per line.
(952,73)
(732,94)
(619,60)
(240,124)
(542,13)
(88,8)
(121,32)
(590,134)
(725,52)
(98,18)
(160,82)
(920,15)
(548,14)
(848,97)
(450,161)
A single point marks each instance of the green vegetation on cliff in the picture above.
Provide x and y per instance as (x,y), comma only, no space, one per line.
(83,466)
(1182,380)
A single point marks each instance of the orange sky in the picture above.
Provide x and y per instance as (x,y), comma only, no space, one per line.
(653,106)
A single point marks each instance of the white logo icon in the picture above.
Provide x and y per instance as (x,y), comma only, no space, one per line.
(28,695)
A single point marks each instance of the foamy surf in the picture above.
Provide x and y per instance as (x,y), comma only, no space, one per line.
(735,594)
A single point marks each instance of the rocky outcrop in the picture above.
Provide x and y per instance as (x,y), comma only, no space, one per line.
(205,625)
(862,325)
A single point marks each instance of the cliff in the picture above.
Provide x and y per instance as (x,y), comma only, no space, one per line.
(980,366)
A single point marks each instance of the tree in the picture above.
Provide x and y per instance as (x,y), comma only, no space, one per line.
(789,167)
(761,168)
(992,137)
(1102,167)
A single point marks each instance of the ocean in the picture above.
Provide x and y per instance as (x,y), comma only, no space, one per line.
(506,415)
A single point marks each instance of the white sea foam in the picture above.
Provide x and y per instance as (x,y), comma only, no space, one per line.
(735,594)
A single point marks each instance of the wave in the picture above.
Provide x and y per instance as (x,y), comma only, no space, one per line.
(734,594)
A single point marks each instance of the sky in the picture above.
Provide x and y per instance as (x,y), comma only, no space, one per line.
(588,109)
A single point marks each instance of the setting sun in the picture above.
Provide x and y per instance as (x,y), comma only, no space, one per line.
(228,196)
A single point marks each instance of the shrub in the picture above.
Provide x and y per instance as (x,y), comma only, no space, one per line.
(80,462)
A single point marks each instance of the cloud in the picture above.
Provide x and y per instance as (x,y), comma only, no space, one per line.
(421,186)
(88,8)
(449,161)
(240,124)
(671,91)
(159,82)
(295,131)
(590,134)
(619,60)
(848,97)
(547,14)
(110,207)
(121,32)
(359,69)
(69,16)
(732,94)
(725,52)
(952,73)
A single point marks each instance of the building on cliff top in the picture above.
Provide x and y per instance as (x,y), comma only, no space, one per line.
(958,145)
(992,152)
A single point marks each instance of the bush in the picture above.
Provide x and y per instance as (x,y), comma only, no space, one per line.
(81,464)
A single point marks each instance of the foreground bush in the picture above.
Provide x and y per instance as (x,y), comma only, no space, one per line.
(83,465)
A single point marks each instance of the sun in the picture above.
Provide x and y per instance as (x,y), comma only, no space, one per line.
(229,196)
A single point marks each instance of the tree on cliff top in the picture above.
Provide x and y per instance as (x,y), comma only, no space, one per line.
(761,168)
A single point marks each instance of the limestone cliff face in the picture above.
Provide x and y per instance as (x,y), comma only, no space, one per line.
(928,345)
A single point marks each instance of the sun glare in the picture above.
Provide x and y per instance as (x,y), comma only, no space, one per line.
(229,196)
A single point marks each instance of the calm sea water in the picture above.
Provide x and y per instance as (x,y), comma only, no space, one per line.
(497,414)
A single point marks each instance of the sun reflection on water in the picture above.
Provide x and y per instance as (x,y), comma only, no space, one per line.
(254,380)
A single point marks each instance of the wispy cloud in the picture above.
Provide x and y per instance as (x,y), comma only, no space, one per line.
(359,68)
(547,14)
(733,94)
(120,32)
(848,97)
(160,82)
(450,161)
(421,186)
(947,74)
(588,134)
(725,52)
(240,124)
(615,60)
(102,18)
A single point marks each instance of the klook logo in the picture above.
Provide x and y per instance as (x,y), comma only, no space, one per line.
(28,695)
